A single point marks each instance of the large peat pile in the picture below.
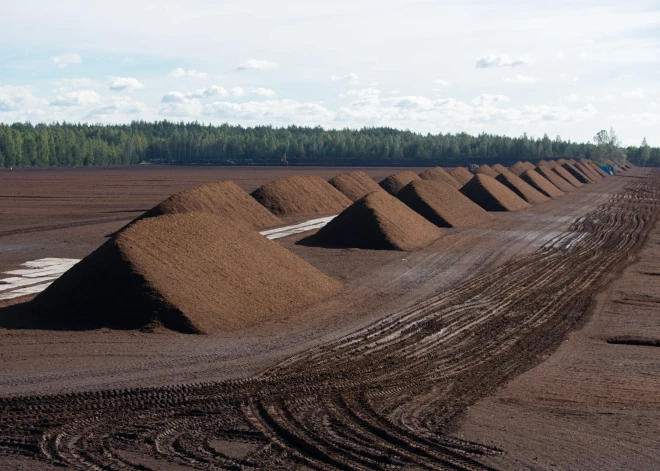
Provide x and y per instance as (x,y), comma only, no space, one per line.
(191,272)
(354,185)
(541,184)
(547,172)
(301,195)
(492,195)
(441,175)
(521,187)
(566,175)
(394,183)
(485,169)
(461,174)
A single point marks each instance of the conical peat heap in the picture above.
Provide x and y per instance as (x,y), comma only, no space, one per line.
(547,172)
(596,168)
(440,174)
(192,272)
(354,185)
(492,195)
(521,188)
(541,184)
(561,161)
(566,175)
(223,198)
(588,171)
(378,221)
(551,163)
(577,173)
(499,168)
(442,204)
(394,183)
(518,168)
(461,174)
(485,169)
(301,195)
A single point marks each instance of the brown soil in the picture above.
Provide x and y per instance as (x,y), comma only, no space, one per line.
(461,174)
(518,168)
(225,199)
(566,175)
(549,174)
(442,204)
(521,188)
(577,173)
(492,195)
(378,221)
(354,185)
(487,170)
(394,183)
(301,195)
(541,184)
(440,174)
(191,272)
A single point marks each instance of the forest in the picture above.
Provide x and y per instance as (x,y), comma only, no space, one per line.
(66,144)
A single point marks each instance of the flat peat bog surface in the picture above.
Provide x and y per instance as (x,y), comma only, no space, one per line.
(388,394)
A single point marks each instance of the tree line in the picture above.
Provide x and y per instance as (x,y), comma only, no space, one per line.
(67,144)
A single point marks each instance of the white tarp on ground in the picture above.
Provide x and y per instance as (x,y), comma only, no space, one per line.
(37,275)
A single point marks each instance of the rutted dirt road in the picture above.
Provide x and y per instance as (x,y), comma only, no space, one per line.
(383,397)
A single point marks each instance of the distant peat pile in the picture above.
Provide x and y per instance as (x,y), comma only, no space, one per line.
(519,167)
(461,174)
(354,185)
(492,195)
(549,174)
(566,175)
(301,195)
(521,187)
(193,272)
(378,221)
(442,204)
(223,198)
(541,184)
(487,170)
(394,183)
(577,173)
(441,175)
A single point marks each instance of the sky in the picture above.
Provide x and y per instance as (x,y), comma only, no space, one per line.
(567,68)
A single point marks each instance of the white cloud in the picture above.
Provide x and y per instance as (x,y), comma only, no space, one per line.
(119,106)
(288,111)
(521,79)
(647,118)
(441,83)
(485,100)
(18,99)
(352,78)
(77,98)
(589,98)
(174,97)
(79,82)
(66,59)
(181,72)
(124,83)
(635,93)
(257,64)
(202,93)
(237,92)
(267,92)
(364,92)
(497,61)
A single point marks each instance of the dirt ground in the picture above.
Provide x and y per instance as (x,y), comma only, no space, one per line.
(487,288)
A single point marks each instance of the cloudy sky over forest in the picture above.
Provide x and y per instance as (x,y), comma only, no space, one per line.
(567,68)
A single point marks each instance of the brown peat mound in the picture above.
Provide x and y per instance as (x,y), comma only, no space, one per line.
(561,161)
(193,272)
(378,221)
(485,169)
(442,204)
(596,168)
(499,168)
(492,195)
(547,172)
(518,168)
(566,175)
(521,187)
(301,194)
(541,184)
(588,171)
(223,198)
(354,185)
(461,174)
(395,182)
(577,173)
(440,174)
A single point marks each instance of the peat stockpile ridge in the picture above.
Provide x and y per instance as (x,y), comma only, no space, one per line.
(191,272)
(378,221)
(518,168)
(577,173)
(540,184)
(588,171)
(566,175)
(441,175)
(442,204)
(521,187)
(499,168)
(485,169)
(224,198)
(547,172)
(461,174)
(301,194)
(492,195)
(596,168)
(394,183)
(354,185)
